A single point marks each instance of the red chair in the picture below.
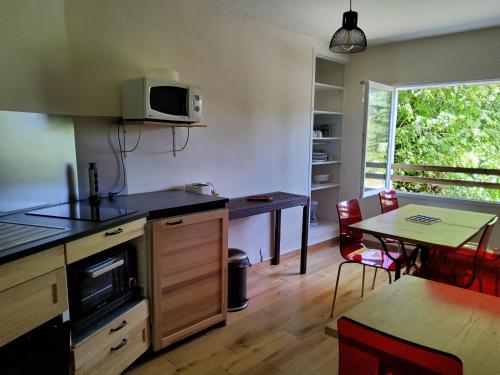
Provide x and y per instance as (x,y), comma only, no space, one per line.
(363,350)
(353,250)
(466,267)
(388,200)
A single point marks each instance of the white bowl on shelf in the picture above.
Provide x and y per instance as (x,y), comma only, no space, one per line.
(321,178)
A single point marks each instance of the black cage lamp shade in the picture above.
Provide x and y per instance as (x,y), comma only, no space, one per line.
(349,38)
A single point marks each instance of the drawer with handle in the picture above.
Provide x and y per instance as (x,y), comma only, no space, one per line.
(114,347)
(90,245)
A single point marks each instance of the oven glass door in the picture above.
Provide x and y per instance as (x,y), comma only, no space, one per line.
(101,282)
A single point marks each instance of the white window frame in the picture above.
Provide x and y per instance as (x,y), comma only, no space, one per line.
(392,129)
(392,132)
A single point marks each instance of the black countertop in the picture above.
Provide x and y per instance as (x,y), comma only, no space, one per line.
(152,206)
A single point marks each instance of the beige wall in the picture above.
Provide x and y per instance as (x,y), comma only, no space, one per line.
(458,57)
(34,56)
(256,82)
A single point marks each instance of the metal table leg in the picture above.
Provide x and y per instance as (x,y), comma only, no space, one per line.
(305,235)
(277,237)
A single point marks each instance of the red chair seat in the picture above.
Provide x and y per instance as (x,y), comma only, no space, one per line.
(359,253)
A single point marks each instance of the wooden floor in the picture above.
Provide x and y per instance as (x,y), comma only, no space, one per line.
(282,330)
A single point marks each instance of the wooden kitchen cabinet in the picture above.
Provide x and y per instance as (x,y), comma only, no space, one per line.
(189,273)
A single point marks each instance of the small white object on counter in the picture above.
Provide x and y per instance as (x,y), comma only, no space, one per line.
(199,187)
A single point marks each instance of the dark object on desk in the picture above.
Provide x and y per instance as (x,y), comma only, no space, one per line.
(238,263)
(260,198)
(422,219)
(241,207)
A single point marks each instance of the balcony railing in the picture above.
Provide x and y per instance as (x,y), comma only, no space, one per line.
(435,180)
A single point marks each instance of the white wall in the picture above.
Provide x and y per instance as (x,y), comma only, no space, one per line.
(255,78)
(458,57)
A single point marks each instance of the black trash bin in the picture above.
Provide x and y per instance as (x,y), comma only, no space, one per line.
(238,263)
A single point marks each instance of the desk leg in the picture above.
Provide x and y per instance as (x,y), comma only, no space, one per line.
(277,237)
(305,235)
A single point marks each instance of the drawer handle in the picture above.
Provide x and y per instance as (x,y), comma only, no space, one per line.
(175,222)
(120,345)
(123,324)
(115,232)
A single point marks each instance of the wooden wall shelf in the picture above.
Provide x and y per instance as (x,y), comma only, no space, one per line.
(164,124)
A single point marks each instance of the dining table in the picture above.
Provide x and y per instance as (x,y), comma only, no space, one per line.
(453,320)
(452,229)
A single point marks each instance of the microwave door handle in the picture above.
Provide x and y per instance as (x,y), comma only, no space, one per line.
(106,268)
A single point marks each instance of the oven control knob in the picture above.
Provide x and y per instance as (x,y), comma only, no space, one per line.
(132,282)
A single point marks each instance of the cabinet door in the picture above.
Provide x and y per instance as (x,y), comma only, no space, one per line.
(189,275)
(29,304)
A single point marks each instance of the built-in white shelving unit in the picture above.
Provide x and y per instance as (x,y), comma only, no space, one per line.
(327,118)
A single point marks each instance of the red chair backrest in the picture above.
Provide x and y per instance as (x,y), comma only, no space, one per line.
(388,200)
(363,350)
(349,213)
(482,247)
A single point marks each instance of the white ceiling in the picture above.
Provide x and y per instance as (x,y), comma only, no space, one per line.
(382,21)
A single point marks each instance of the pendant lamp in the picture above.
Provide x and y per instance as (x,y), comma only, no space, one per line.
(349,38)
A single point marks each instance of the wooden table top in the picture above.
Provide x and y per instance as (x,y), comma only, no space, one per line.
(438,316)
(455,228)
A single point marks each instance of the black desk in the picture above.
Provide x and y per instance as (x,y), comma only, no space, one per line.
(240,207)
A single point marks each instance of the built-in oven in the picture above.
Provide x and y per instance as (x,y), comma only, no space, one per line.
(101,283)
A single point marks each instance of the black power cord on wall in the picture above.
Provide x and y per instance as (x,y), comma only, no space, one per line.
(122,154)
(123,151)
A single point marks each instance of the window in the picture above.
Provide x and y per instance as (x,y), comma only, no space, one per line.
(442,140)
(379,104)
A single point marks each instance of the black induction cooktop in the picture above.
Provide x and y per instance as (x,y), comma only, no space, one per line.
(82,211)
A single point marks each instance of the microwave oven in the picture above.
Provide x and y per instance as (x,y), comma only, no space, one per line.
(161,100)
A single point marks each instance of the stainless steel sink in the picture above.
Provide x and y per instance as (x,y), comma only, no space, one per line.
(15,234)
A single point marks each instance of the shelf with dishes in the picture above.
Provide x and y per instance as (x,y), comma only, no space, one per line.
(326,148)
(322,181)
